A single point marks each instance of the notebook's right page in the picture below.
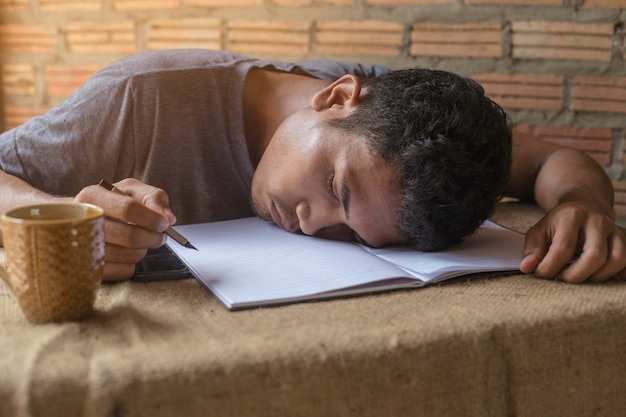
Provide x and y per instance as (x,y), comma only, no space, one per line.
(491,249)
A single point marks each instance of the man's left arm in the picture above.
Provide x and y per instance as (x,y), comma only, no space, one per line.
(577,239)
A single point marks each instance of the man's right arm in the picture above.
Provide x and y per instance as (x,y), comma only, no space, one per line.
(17,192)
(133,223)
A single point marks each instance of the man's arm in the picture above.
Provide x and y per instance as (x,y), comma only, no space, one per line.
(577,196)
(16,192)
(133,223)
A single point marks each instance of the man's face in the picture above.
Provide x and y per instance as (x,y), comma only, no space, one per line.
(319,181)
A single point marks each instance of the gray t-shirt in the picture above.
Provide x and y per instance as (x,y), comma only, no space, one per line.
(172,119)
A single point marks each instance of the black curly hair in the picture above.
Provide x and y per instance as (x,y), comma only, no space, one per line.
(450,146)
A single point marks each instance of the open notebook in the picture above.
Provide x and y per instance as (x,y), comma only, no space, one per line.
(250,262)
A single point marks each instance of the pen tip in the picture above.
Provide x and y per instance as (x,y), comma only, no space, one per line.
(190,246)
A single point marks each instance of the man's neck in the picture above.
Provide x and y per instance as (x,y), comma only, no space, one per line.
(269,97)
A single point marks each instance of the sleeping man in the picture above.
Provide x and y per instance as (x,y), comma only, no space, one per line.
(324,148)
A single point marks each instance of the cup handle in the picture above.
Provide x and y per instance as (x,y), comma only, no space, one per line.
(4,275)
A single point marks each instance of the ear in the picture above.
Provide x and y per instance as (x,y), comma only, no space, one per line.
(345,91)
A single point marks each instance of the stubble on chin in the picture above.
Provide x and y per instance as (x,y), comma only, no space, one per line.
(257,208)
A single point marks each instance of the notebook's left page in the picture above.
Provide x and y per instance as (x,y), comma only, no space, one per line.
(250,262)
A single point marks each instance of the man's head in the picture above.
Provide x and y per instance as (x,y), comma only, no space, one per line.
(450,147)
(414,156)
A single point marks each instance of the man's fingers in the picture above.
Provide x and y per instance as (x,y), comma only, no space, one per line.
(152,197)
(536,246)
(120,262)
(556,249)
(592,257)
(118,254)
(124,208)
(117,272)
(132,236)
(615,265)
(593,249)
(135,212)
(603,252)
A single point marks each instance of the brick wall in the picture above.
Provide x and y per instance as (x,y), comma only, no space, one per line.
(557,66)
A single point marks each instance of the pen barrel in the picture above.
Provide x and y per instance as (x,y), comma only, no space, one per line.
(176,236)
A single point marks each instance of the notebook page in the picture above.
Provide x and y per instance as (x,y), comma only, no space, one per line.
(250,261)
(491,248)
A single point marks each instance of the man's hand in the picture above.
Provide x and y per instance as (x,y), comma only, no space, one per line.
(575,242)
(134,223)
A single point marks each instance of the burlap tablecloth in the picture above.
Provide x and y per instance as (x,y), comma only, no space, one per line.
(501,346)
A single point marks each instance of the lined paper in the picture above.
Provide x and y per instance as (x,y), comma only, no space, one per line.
(492,248)
(250,262)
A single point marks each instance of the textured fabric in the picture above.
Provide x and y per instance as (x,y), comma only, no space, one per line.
(496,346)
(173,119)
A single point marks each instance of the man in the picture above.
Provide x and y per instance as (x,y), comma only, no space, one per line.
(330,149)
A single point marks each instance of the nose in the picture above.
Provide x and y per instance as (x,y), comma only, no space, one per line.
(303,213)
(322,221)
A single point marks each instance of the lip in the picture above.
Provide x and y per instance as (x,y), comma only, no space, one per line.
(276,217)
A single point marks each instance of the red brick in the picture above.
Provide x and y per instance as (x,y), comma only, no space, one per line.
(367,37)
(596,142)
(514,2)
(407,2)
(69,5)
(185,33)
(268,37)
(28,38)
(593,80)
(378,26)
(544,26)
(523,91)
(602,134)
(620,192)
(13,5)
(620,186)
(18,79)
(63,80)
(620,198)
(598,94)
(98,38)
(292,3)
(224,3)
(466,40)
(562,40)
(126,5)
(17,115)
(624,147)
(613,4)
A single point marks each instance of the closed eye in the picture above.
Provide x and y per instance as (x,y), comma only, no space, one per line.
(330,186)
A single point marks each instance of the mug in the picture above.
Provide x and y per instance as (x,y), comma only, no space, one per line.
(55,257)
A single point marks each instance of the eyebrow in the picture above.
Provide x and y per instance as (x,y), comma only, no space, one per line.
(345,196)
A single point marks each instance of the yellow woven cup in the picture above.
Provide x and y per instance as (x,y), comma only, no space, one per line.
(55,256)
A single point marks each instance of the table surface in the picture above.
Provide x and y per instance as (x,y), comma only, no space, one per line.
(163,346)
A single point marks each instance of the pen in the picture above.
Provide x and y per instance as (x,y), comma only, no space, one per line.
(170,231)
